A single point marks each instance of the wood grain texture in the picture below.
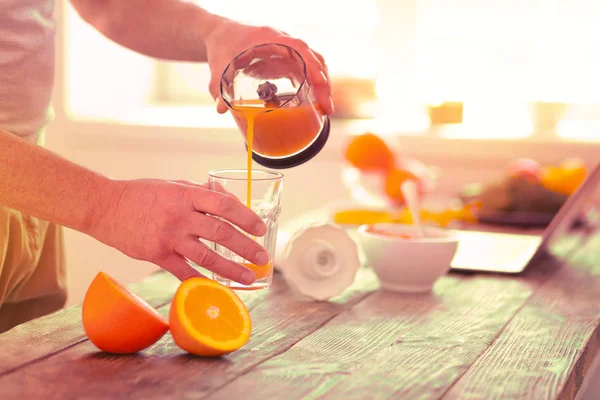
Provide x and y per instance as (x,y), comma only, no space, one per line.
(164,370)
(475,337)
(391,346)
(546,350)
(55,332)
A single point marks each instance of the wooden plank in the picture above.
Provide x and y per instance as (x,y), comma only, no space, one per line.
(391,346)
(546,350)
(52,333)
(165,371)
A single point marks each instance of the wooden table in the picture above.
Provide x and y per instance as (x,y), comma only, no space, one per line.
(476,337)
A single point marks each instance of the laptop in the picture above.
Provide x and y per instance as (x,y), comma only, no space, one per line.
(511,253)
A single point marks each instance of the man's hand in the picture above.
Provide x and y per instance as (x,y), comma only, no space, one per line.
(161,222)
(229,38)
(153,220)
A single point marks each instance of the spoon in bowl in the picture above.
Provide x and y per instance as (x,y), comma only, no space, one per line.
(409,191)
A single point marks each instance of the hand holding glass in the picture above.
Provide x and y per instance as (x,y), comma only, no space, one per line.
(266,193)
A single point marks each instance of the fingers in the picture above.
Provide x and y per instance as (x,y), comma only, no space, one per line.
(221,106)
(213,185)
(214,89)
(216,186)
(190,183)
(319,79)
(226,235)
(317,71)
(179,267)
(323,64)
(199,253)
(229,208)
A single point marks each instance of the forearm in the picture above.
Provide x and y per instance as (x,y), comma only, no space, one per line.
(38,182)
(166,29)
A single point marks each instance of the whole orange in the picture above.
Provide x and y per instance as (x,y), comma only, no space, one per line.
(116,320)
(393,183)
(368,152)
(566,177)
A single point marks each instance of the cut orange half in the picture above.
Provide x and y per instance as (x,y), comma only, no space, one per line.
(208,319)
(116,320)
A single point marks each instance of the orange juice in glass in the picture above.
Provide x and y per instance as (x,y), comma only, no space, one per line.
(267,191)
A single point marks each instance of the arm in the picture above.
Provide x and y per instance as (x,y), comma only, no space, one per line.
(38,182)
(171,29)
(181,31)
(147,219)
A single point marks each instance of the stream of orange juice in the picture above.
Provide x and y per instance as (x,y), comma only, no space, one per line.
(249,109)
(250,139)
(283,131)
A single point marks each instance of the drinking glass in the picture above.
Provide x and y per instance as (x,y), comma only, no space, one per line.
(265,200)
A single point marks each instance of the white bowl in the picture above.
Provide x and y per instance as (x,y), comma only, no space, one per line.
(409,265)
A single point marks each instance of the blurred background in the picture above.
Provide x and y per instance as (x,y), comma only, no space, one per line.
(463,85)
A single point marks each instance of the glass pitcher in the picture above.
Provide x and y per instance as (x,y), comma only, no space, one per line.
(266,86)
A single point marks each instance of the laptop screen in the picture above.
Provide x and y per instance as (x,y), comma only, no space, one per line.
(580,212)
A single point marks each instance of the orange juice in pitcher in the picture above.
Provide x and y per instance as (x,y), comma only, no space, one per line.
(267,92)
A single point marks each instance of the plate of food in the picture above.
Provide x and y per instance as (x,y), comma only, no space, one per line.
(528,195)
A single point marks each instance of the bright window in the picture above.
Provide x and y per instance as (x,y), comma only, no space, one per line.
(517,67)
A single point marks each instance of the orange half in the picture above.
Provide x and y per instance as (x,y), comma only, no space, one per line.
(208,319)
(116,320)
